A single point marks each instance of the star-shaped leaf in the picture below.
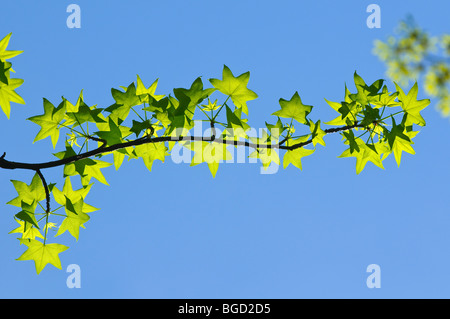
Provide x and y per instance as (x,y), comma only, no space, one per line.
(75,218)
(195,93)
(294,109)
(351,141)
(86,168)
(113,136)
(295,156)
(342,120)
(367,153)
(81,113)
(6,54)
(366,94)
(139,126)
(235,88)
(144,92)
(211,106)
(42,254)
(317,133)
(34,192)
(276,129)
(163,118)
(267,156)
(386,99)
(212,153)
(27,230)
(180,114)
(73,196)
(8,95)
(49,121)
(124,102)
(412,106)
(151,152)
(396,132)
(5,68)
(235,121)
(400,145)
(27,213)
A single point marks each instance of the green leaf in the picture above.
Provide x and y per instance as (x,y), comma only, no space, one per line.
(83,113)
(211,106)
(212,153)
(113,136)
(276,129)
(234,120)
(42,254)
(151,152)
(366,153)
(49,121)
(161,110)
(371,115)
(5,54)
(317,133)
(34,192)
(351,141)
(138,127)
(235,88)
(195,93)
(8,95)
(366,94)
(158,105)
(143,92)
(91,169)
(386,99)
(27,213)
(412,106)
(180,114)
(395,133)
(27,230)
(75,218)
(337,106)
(73,196)
(86,168)
(124,102)
(400,145)
(266,155)
(163,118)
(295,156)
(294,109)
(5,67)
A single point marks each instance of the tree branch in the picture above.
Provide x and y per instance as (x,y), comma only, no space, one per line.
(5,164)
(47,191)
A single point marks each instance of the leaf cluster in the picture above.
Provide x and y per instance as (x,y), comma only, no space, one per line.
(140,124)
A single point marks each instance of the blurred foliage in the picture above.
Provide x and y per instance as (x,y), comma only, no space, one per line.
(412,53)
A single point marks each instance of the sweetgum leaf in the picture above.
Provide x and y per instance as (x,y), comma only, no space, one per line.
(75,218)
(411,105)
(42,254)
(295,156)
(28,194)
(235,88)
(143,92)
(49,121)
(27,230)
(294,109)
(6,54)
(27,213)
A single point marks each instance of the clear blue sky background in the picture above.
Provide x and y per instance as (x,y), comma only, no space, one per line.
(176,232)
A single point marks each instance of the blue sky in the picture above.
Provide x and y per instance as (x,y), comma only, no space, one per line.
(176,232)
